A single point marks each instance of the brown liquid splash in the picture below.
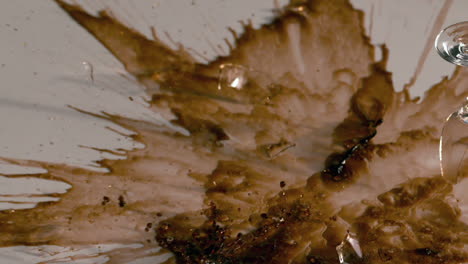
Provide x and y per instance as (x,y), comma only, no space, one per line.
(276,173)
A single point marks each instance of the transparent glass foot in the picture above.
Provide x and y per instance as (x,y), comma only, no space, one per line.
(454,146)
(452,43)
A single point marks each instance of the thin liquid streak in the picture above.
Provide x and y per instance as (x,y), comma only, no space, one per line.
(429,46)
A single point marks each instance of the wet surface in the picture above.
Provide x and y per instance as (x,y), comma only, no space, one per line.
(282,158)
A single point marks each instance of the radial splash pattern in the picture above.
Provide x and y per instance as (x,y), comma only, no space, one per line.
(308,151)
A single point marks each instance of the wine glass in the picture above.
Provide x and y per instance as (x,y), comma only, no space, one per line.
(452,45)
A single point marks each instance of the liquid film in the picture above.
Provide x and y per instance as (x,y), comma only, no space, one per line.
(307,156)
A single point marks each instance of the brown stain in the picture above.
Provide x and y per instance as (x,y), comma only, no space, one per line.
(354,134)
(352,151)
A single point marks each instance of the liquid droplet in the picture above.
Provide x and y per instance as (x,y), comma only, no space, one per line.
(299,8)
(452,43)
(89,68)
(454,146)
(232,76)
(349,251)
(463,113)
(243,85)
(296,6)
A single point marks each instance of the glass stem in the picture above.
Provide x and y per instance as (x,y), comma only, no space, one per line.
(454,146)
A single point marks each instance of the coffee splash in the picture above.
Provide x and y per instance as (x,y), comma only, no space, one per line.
(280,171)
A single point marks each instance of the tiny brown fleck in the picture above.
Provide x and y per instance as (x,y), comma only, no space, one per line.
(282,184)
(122,202)
(105,200)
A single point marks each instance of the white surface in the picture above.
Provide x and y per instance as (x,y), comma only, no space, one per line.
(42,72)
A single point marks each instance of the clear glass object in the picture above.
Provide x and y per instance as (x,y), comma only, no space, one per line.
(349,250)
(454,145)
(452,45)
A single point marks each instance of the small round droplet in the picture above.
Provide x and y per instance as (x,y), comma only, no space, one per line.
(452,43)
(299,9)
(232,76)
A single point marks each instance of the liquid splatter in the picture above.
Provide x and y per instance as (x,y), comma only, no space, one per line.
(313,144)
